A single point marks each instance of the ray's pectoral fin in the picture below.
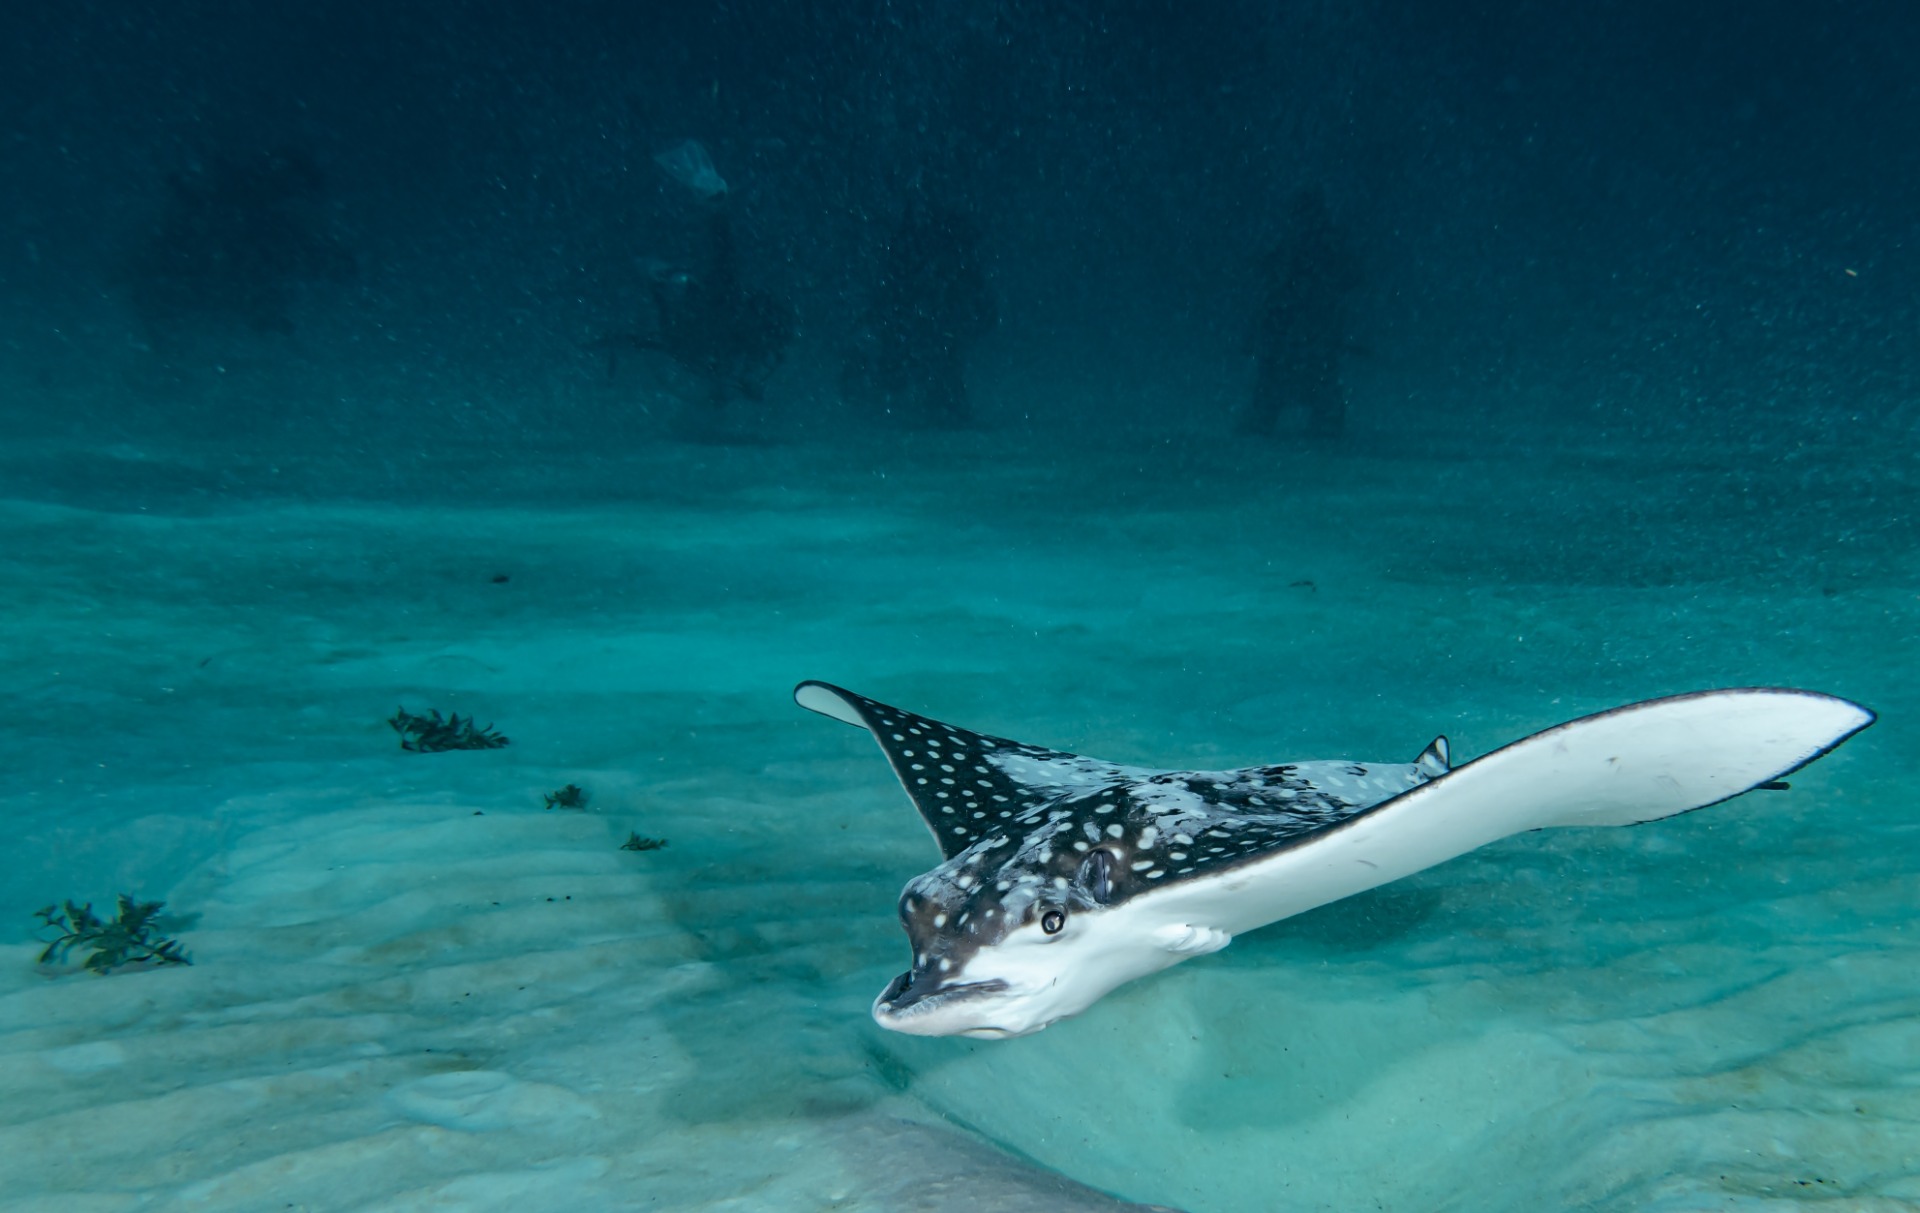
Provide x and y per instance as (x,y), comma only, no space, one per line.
(965,784)
(1669,756)
(1630,765)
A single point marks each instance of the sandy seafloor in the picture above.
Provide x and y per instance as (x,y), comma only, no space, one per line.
(415,989)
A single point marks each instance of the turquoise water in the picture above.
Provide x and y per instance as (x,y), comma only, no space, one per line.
(415,988)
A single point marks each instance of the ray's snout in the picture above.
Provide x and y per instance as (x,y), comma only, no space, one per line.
(921,1004)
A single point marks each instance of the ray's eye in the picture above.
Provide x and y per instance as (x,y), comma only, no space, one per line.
(1053,921)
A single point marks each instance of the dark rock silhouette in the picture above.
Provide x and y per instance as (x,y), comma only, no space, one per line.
(930,306)
(234,242)
(1303,328)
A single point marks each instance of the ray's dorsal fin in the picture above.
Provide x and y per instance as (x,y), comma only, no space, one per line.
(966,785)
(1436,760)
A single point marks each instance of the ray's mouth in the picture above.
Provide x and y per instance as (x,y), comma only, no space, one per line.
(904,996)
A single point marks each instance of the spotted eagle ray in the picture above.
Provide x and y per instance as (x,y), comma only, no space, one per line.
(1065,877)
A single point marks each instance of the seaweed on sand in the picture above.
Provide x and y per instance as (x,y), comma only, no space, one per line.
(573,796)
(635,842)
(130,938)
(430,734)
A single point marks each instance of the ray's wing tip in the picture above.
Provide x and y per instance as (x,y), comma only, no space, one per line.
(1844,716)
(1825,723)
(1847,716)
(1819,723)
(828,700)
(1851,718)
(1859,715)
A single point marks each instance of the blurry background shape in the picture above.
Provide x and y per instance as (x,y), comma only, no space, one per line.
(926,310)
(1302,328)
(688,163)
(236,238)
